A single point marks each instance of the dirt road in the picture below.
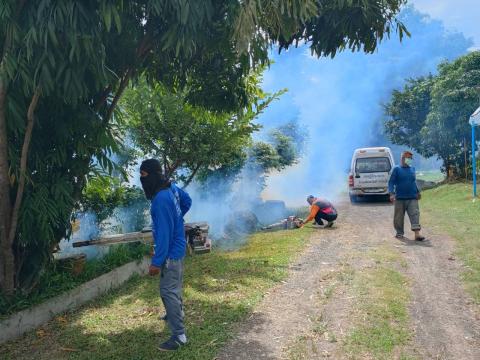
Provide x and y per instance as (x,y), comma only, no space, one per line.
(443,321)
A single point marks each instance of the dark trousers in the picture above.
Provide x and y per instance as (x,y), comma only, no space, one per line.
(171,285)
(322,216)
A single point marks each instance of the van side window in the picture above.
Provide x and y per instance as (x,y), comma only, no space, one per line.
(373,164)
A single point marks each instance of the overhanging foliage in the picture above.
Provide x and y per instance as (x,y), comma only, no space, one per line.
(64,66)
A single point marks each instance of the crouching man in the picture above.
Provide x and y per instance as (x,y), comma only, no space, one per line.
(321,209)
(168,206)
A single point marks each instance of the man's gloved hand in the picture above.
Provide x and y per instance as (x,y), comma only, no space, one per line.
(153,270)
(419,196)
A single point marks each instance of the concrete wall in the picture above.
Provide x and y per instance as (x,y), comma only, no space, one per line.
(23,321)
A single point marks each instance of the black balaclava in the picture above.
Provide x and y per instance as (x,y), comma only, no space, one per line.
(155,180)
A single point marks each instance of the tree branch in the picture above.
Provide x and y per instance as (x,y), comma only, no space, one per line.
(165,163)
(192,175)
(121,89)
(143,48)
(5,205)
(171,168)
(103,97)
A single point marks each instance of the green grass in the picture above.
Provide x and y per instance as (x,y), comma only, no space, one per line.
(431,175)
(383,299)
(221,289)
(450,209)
(56,280)
(380,313)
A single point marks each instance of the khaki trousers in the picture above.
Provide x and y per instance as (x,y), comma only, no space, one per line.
(413,211)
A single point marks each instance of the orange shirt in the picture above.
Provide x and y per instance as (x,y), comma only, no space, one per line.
(319,204)
(313,212)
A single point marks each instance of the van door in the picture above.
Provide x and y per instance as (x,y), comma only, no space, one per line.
(372,173)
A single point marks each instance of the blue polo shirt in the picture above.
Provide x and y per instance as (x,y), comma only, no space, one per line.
(403,183)
(167,209)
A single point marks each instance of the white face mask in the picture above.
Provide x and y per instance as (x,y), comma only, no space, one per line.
(408,161)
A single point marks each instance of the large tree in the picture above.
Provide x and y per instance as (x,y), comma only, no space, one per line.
(431,114)
(407,112)
(64,66)
(190,139)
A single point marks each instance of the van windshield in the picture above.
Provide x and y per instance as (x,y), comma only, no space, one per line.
(373,164)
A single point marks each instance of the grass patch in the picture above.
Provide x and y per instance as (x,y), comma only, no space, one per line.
(299,350)
(221,288)
(449,208)
(383,299)
(56,280)
(380,309)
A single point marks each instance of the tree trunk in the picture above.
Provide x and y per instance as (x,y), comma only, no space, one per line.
(7,257)
(448,169)
(7,260)
(23,165)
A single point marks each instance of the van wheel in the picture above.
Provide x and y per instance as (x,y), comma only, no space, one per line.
(353,199)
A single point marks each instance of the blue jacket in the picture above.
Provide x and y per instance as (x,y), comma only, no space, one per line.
(167,209)
(403,183)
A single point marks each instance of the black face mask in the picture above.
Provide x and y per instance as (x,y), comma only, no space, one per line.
(152,184)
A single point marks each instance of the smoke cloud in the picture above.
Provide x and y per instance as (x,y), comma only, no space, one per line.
(339,101)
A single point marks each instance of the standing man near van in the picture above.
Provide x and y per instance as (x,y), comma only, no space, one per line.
(404,193)
(169,205)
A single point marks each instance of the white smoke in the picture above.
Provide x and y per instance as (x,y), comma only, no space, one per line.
(340,101)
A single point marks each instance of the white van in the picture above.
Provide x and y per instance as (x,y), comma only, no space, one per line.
(369,172)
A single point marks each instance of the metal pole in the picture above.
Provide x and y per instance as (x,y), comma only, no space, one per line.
(474,170)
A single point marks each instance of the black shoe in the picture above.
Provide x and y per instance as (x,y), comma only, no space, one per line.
(172,344)
(420,238)
(329,225)
(399,236)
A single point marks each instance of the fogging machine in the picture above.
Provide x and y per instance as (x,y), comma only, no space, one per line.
(196,235)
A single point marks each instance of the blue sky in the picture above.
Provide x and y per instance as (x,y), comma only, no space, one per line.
(459,15)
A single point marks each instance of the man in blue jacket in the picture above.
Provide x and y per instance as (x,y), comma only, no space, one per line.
(404,193)
(169,205)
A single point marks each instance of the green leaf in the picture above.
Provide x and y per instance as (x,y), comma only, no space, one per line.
(107,16)
(116,17)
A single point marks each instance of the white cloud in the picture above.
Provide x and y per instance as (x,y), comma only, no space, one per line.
(460,15)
